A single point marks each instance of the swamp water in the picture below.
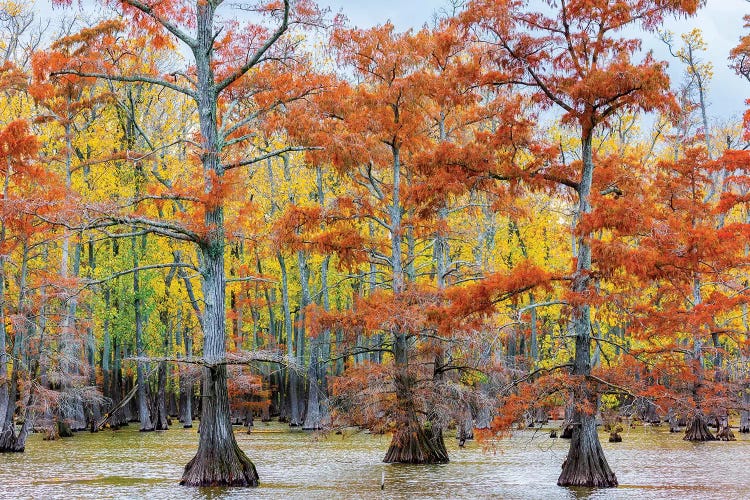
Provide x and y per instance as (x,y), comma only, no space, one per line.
(650,463)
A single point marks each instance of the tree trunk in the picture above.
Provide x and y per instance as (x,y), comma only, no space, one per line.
(697,430)
(219,460)
(9,440)
(292,383)
(117,392)
(465,426)
(106,349)
(585,464)
(6,407)
(674,425)
(313,415)
(160,420)
(160,407)
(568,423)
(411,442)
(186,401)
(186,385)
(144,414)
(725,432)
(93,408)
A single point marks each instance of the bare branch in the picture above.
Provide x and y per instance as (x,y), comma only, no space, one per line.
(130,79)
(270,154)
(142,268)
(258,55)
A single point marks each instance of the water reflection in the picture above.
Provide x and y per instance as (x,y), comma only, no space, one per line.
(650,463)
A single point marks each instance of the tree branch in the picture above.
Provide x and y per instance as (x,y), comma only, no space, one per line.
(171,27)
(259,54)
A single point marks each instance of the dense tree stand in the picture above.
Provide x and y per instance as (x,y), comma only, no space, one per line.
(219,461)
(697,430)
(585,464)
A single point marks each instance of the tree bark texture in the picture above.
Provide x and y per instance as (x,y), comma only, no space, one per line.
(585,464)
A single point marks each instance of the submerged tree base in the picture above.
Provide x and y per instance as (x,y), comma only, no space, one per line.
(216,467)
(697,430)
(725,434)
(415,445)
(585,464)
(10,442)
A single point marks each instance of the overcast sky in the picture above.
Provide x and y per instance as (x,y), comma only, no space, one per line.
(721,22)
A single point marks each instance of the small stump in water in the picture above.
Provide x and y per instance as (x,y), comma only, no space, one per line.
(63,429)
(725,432)
(614,429)
(614,437)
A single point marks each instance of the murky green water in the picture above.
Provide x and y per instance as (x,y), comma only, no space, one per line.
(650,463)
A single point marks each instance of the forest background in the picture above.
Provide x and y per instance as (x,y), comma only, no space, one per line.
(506,213)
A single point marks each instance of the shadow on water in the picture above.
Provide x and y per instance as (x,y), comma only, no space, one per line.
(650,463)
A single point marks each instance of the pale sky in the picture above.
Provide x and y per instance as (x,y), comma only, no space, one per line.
(721,22)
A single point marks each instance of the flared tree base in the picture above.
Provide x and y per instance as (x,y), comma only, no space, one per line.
(10,444)
(415,445)
(217,467)
(585,464)
(697,430)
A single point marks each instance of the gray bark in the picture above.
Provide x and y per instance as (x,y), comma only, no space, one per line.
(186,385)
(144,414)
(292,383)
(585,464)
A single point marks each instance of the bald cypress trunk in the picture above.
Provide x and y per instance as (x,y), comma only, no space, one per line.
(745,414)
(10,441)
(186,386)
(160,406)
(291,403)
(219,460)
(585,464)
(144,415)
(697,429)
(5,403)
(411,443)
(106,349)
